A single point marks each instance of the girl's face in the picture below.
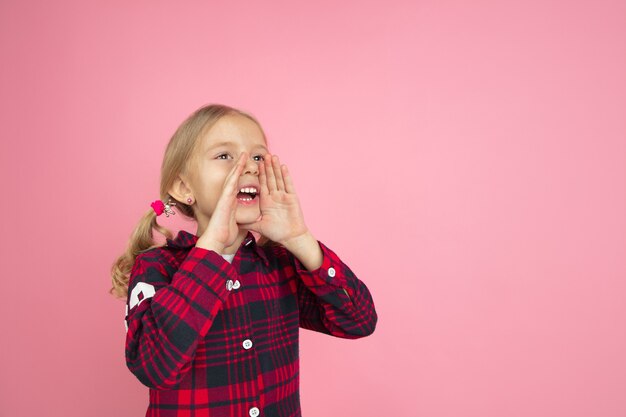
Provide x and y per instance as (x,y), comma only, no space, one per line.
(218,151)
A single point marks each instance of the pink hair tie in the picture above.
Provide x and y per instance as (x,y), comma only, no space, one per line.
(159,207)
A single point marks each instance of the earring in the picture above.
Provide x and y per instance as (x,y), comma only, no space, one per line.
(189,200)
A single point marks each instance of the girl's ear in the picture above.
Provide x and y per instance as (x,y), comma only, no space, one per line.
(180,190)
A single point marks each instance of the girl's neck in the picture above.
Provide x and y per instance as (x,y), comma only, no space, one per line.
(230,250)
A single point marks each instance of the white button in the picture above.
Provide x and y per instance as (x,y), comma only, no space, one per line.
(229,284)
(248,242)
(331,272)
(247,344)
(254,412)
(237,284)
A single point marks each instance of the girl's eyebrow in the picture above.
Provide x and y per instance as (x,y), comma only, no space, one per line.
(217,145)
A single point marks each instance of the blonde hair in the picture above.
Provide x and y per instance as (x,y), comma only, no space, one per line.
(179,156)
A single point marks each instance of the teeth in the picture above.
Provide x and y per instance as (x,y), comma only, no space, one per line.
(248,190)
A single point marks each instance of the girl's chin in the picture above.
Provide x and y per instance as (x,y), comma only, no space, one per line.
(247,215)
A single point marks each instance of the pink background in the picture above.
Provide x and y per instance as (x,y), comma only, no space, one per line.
(466,159)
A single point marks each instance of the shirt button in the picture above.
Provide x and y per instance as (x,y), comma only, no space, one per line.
(248,242)
(247,344)
(254,412)
(229,284)
(237,284)
(331,272)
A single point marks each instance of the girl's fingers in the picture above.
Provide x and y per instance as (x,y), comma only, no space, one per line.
(280,184)
(288,182)
(269,172)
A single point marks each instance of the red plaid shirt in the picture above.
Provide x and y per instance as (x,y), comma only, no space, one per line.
(211,338)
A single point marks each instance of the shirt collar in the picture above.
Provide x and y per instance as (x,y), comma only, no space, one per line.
(186,240)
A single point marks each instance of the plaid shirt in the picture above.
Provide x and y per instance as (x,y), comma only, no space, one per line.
(219,339)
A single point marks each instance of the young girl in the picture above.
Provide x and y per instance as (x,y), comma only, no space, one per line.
(212,318)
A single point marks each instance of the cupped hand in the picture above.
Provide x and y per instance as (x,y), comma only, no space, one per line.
(281,217)
(222,230)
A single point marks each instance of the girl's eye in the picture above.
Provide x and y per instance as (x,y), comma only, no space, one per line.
(257,156)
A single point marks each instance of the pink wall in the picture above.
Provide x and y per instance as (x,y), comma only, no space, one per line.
(473,162)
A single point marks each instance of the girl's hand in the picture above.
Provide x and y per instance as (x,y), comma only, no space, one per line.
(281,218)
(222,230)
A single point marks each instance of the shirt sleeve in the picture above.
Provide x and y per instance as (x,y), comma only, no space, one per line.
(168,315)
(333,300)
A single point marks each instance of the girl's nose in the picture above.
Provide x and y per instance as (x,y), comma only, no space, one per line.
(252,166)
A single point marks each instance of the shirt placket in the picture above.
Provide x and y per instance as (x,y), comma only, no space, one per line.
(247,341)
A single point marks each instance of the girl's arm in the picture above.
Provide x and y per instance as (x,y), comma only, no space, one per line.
(167,317)
(331,298)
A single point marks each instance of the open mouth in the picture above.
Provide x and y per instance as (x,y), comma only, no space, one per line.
(247,194)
